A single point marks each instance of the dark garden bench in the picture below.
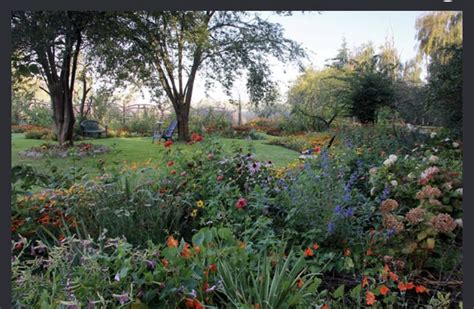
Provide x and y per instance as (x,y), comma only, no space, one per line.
(167,134)
(92,128)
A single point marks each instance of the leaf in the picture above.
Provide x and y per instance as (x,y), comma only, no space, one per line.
(355,292)
(224,233)
(339,292)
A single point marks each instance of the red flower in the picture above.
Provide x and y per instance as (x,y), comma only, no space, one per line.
(402,287)
(308,252)
(299,283)
(192,303)
(219,177)
(168,144)
(370,298)
(393,276)
(213,268)
(315,246)
(171,242)
(173,172)
(347,252)
(165,262)
(384,290)
(421,289)
(241,203)
(410,285)
(170,163)
(196,137)
(186,252)
(317,149)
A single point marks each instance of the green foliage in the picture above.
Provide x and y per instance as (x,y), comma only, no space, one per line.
(318,97)
(445,86)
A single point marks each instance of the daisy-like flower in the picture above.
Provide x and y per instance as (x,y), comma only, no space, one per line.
(200,204)
(370,298)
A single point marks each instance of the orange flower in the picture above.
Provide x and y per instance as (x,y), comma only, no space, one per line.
(325,306)
(315,246)
(171,242)
(410,285)
(421,289)
(393,276)
(186,252)
(299,283)
(213,268)
(308,252)
(197,249)
(192,303)
(165,262)
(170,163)
(370,298)
(402,287)
(256,306)
(347,252)
(384,290)
(365,281)
(241,245)
(369,252)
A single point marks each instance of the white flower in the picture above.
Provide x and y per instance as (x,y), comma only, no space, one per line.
(459,191)
(391,159)
(394,183)
(447,140)
(406,157)
(433,134)
(411,176)
(458,222)
(433,159)
(373,171)
(455,145)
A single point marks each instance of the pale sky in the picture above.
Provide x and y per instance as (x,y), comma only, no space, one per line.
(321,35)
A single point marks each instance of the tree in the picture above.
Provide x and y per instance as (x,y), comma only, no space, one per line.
(342,58)
(437,30)
(167,50)
(48,44)
(371,88)
(445,85)
(318,97)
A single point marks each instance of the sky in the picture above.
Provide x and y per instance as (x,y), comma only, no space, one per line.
(321,34)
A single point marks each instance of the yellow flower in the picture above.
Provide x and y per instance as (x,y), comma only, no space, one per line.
(194,213)
(359,151)
(200,204)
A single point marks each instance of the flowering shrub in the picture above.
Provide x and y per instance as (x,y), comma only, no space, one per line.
(372,220)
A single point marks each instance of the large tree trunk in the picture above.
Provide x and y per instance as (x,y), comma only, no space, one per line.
(63,118)
(182,116)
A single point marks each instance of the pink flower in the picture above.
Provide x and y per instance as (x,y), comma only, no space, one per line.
(220,178)
(241,203)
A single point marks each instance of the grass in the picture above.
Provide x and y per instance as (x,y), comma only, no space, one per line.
(137,150)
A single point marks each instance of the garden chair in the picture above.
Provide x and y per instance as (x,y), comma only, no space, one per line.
(168,134)
(157,131)
(92,128)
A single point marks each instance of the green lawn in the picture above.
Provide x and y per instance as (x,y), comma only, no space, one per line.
(140,149)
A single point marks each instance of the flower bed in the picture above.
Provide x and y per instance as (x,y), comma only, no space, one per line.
(50,150)
(355,226)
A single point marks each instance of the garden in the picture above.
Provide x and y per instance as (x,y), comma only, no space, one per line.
(349,198)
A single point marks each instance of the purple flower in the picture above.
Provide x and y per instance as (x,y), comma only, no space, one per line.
(117,277)
(122,298)
(150,264)
(349,212)
(254,167)
(193,293)
(390,232)
(338,210)
(331,227)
